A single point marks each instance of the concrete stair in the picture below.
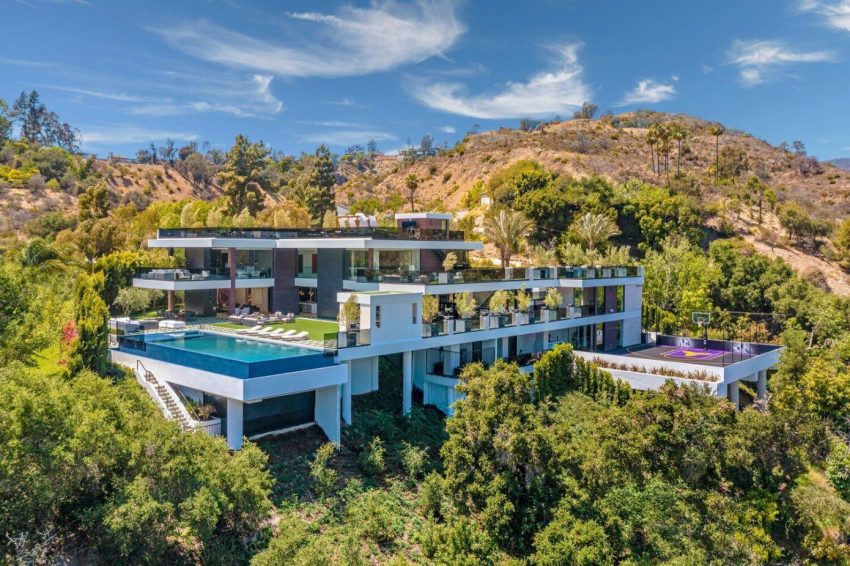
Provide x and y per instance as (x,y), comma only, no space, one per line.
(169,400)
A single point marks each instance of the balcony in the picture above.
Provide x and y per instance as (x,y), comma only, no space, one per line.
(485,275)
(485,320)
(207,274)
(184,279)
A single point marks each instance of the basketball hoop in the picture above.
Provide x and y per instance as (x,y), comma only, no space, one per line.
(702,319)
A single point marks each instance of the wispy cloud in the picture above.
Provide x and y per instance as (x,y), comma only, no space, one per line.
(348,137)
(648,91)
(550,92)
(760,61)
(253,100)
(332,124)
(447,129)
(95,135)
(835,14)
(352,41)
(106,95)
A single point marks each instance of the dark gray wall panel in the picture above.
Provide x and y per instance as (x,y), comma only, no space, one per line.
(329,281)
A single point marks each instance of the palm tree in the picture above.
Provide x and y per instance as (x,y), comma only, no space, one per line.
(678,132)
(507,230)
(652,139)
(595,229)
(717,131)
(664,146)
(412,182)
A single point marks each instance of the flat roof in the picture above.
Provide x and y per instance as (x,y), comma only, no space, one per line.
(682,354)
(423,215)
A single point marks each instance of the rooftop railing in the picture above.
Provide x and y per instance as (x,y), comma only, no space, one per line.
(484,274)
(313,233)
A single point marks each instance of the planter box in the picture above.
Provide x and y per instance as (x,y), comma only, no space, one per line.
(449,325)
(485,321)
(462,325)
(520,318)
(443,278)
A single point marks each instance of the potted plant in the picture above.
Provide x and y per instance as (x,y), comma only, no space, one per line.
(523,303)
(449,263)
(498,306)
(430,307)
(204,411)
(553,301)
(349,314)
(465,304)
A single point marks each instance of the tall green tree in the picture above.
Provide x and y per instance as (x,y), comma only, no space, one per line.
(320,185)
(91,316)
(5,121)
(241,178)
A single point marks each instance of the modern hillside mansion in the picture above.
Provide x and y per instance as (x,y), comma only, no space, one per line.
(262,381)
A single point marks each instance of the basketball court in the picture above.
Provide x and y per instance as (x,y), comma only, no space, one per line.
(684,354)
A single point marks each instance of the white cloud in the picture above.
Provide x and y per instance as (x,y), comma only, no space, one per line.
(130,134)
(348,137)
(836,14)
(447,129)
(253,100)
(761,61)
(353,41)
(649,91)
(556,91)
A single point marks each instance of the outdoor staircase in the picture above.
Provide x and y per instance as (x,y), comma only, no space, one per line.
(167,399)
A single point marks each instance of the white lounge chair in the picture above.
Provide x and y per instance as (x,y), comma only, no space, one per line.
(250,330)
(300,336)
(265,331)
(276,333)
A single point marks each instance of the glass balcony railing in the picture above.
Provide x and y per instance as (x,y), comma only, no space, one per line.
(483,320)
(294,233)
(208,274)
(479,275)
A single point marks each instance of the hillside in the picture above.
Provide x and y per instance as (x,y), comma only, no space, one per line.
(136,183)
(581,148)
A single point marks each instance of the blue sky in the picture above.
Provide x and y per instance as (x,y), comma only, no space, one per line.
(296,74)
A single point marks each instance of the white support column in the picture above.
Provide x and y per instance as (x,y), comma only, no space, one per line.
(234,424)
(346,396)
(327,412)
(376,378)
(734,394)
(407,383)
(761,385)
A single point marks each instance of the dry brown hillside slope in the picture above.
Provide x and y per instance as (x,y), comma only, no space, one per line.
(140,184)
(582,148)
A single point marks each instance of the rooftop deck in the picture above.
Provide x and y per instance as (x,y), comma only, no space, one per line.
(313,233)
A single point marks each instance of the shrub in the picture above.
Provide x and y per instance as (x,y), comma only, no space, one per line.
(324,477)
(376,515)
(372,458)
(414,459)
(431,493)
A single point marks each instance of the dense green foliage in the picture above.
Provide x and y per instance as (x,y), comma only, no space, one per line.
(87,456)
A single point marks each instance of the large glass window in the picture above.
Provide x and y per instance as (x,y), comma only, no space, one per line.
(278,413)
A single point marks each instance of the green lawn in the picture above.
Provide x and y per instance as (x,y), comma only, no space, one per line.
(316,327)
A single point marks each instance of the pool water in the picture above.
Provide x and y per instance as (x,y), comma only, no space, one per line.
(223,354)
(230,347)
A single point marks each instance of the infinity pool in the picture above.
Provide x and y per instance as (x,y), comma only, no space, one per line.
(223,354)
